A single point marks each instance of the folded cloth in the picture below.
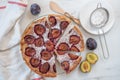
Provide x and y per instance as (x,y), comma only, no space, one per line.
(2,7)
(12,66)
(11,13)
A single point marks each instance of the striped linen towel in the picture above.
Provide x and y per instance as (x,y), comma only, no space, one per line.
(12,66)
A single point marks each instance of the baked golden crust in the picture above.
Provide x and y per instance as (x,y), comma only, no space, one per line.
(75,64)
(60,17)
(81,43)
(76,28)
(29,30)
(77,61)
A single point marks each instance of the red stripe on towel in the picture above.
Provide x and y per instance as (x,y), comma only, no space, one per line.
(18,3)
(2,7)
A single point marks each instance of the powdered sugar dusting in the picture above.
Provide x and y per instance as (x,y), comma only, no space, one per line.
(51,61)
(35,35)
(62,58)
(45,35)
(38,49)
(57,25)
(66,37)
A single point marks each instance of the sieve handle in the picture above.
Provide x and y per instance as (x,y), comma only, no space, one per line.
(105,55)
(99,5)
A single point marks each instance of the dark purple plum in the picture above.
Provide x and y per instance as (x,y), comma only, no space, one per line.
(91,44)
(35,9)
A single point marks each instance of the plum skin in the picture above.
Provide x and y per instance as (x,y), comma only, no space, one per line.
(91,44)
(35,9)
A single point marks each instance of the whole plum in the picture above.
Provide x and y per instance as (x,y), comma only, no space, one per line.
(91,44)
(35,9)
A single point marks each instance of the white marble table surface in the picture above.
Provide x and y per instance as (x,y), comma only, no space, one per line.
(104,69)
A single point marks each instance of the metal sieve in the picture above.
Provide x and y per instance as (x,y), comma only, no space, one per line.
(98,19)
